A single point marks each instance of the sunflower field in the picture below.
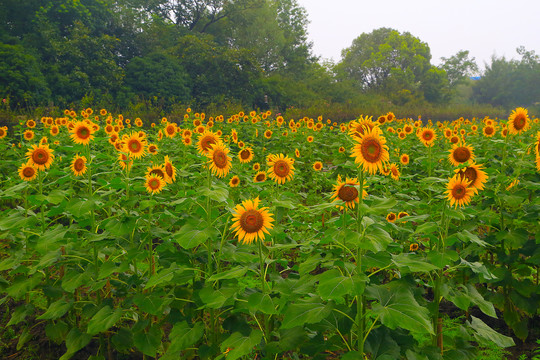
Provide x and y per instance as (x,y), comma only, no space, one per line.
(251,236)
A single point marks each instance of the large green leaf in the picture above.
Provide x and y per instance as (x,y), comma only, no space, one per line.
(397,307)
(148,341)
(104,319)
(413,262)
(484,334)
(234,273)
(50,237)
(261,302)
(56,310)
(305,313)
(189,236)
(79,207)
(75,341)
(240,345)
(215,298)
(377,239)
(163,276)
(183,336)
(333,285)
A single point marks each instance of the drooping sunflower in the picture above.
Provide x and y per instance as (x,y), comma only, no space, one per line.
(317,166)
(537,144)
(78,165)
(125,162)
(158,170)
(206,140)
(347,192)
(259,177)
(391,217)
(394,171)
(427,136)
(170,170)
(519,121)
(28,171)
(370,152)
(459,193)
(245,155)
(82,132)
(250,223)
(297,153)
(220,162)
(404,159)
(154,183)
(460,154)
(235,181)
(413,247)
(358,127)
(40,156)
(474,175)
(134,145)
(281,168)
(28,135)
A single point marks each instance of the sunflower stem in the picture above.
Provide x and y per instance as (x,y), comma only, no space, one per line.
(360,302)
(41,206)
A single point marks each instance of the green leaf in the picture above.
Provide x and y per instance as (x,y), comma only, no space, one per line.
(163,276)
(288,204)
(427,228)
(148,342)
(104,319)
(381,345)
(352,355)
(189,237)
(20,314)
(467,236)
(75,341)
(123,339)
(261,302)
(216,298)
(479,268)
(218,194)
(484,334)
(379,205)
(183,336)
(50,237)
(333,285)
(149,303)
(56,310)
(413,262)
(305,313)
(73,279)
(240,345)
(24,337)
(57,331)
(79,207)
(11,262)
(378,238)
(397,307)
(477,299)
(309,264)
(22,285)
(234,273)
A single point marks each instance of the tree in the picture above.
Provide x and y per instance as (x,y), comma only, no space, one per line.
(459,67)
(387,62)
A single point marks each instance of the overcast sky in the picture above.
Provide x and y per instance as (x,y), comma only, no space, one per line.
(484,27)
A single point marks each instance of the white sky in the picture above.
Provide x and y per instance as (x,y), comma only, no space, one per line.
(484,27)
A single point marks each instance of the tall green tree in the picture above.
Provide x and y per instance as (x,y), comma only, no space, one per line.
(459,67)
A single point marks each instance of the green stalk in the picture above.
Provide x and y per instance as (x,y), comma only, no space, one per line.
(360,302)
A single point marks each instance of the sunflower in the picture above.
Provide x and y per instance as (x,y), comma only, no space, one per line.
(347,191)
(404,159)
(170,130)
(234,135)
(124,161)
(245,155)
(158,170)
(82,132)
(235,181)
(249,222)
(259,177)
(391,217)
(402,135)
(381,119)
(473,174)
(220,162)
(3,132)
(40,156)
(537,144)
(310,139)
(408,129)
(317,166)
(170,170)
(268,134)
(427,136)
(30,124)
(297,153)
(152,149)
(519,121)
(538,163)
(513,183)
(360,126)
(206,140)
(281,168)
(28,171)
(488,131)
(78,165)
(370,151)
(460,154)
(154,183)
(402,214)
(454,139)
(134,145)
(187,140)
(28,135)
(394,171)
(413,247)
(459,192)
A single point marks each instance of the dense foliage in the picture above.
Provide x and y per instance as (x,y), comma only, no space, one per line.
(253,53)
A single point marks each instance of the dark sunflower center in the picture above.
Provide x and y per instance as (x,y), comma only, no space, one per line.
(134,145)
(251,221)
(489,130)
(392,217)
(462,154)
(371,150)
(157,172)
(79,164)
(206,143)
(520,121)
(235,181)
(394,171)
(470,174)
(260,177)
(169,169)
(318,166)
(347,193)
(281,168)
(83,133)
(170,130)
(428,135)
(459,192)
(28,172)
(220,159)
(153,184)
(244,154)
(40,156)
(152,148)
(454,139)
(2,132)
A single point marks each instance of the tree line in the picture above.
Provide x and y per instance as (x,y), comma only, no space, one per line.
(254,53)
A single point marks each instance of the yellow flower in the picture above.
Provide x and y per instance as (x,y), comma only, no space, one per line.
(459,193)
(245,155)
(281,168)
(460,154)
(78,165)
(235,181)
(40,156)
(251,223)
(317,166)
(82,132)
(370,152)
(220,162)
(28,171)
(347,192)
(154,184)
(519,121)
